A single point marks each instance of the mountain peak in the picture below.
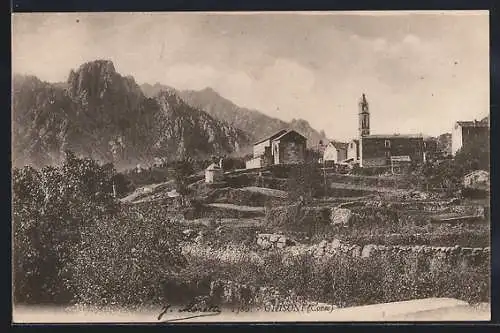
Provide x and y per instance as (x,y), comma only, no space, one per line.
(209,90)
(102,65)
(105,115)
(247,120)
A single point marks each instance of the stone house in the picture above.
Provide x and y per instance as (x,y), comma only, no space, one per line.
(377,150)
(335,152)
(283,147)
(468,132)
(213,174)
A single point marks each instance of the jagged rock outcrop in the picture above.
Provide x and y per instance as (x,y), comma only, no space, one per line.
(104,115)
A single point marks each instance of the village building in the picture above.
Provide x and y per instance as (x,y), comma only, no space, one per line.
(213,174)
(400,164)
(383,150)
(335,152)
(466,133)
(478,179)
(283,147)
(377,150)
(353,150)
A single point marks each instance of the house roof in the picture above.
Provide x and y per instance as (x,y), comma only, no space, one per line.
(339,145)
(393,136)
(272,136)
(474,123)
(288,132)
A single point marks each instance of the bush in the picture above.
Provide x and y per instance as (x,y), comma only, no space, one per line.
(349,281)
(126,259)
(306,181)
(50,206)
(74,243)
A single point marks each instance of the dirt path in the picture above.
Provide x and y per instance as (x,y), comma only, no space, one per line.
(237,207)
(147,190)
(344,186)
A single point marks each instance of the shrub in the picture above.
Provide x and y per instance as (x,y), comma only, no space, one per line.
(349,281)
(306,181)
(50,206)
(126,259)
(72,241)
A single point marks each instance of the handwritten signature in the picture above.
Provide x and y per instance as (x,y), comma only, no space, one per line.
(191,308)
(211,310)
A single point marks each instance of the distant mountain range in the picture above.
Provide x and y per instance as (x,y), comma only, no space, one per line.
(253,122)
(99,113)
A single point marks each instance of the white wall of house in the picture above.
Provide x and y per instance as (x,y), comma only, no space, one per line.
(456,138)
(333,153)
(260,148)
(330,153)
(352,150)
(360,153)
(276,152)
(254,163)
(214,175)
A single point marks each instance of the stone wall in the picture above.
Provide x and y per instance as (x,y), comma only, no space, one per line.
(465,256)
(274,241)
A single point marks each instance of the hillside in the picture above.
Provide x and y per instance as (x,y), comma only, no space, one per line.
(104,115)
(249,121)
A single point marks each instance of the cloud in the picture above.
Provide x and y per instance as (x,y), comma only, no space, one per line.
(415,67)
(411,40)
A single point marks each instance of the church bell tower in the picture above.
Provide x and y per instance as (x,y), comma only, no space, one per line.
(364,117)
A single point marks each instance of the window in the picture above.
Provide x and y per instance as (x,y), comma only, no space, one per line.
(387,143)
(387,154)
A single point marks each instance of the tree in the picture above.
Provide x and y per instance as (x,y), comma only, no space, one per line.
(474,156)
(448,174)
(126,258)
(182,170)
(73,242)
(50,206)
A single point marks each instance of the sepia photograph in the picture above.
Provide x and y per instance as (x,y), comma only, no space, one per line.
(195,167)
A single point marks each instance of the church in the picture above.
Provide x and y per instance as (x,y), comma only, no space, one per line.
(383,150)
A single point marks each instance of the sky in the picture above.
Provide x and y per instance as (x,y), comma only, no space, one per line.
(420,71)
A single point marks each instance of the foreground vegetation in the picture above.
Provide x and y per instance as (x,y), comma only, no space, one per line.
(344,280)
(74,243)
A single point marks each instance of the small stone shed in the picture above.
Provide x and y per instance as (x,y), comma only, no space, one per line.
(213,174)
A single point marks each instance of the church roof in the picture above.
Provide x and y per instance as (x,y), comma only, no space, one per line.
(474,123)
(393,136)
